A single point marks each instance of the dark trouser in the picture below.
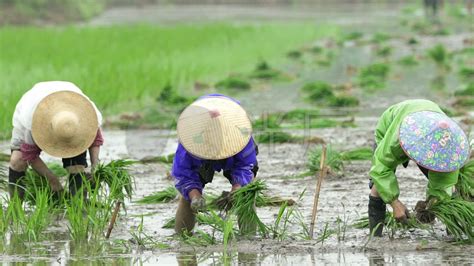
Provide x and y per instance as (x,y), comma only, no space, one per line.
(16,184)
(377,207)
(185,216)
(76,180)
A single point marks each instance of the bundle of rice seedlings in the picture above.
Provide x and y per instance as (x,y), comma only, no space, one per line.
(244,201)
(224,201)
(116,175)
(164,196)
(373,76)
(440,55)
(408,60)
(318,90)
(467,73)
(343,101)
(333,159)
(276,136)
(466,90)
(264,71)
(457,215)
(364,153)
(234,82)
(465,184)
(294,54)
(168,159)
(390,223)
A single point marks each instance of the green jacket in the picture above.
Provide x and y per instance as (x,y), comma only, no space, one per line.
(389,154)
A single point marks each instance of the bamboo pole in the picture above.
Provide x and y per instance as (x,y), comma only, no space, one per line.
(112,220)
(322,174)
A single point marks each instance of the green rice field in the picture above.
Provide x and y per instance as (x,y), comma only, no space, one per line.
(131,64)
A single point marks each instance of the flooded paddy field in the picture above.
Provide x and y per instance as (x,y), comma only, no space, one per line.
(283,166)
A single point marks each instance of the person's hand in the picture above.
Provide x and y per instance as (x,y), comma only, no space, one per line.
(55,185)
(198,204)
(235,187)
(422,213)
(400,212)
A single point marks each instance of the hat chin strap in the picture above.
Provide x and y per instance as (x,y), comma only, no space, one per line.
(65,125)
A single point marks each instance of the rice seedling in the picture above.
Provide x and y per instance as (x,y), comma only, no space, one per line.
(327,233)
(352,36)
(264,71)
(467,73)
(169,96)
(289,214)
(440,56)
(412,41)
(276,136)
(39,219)
(170,223)
(299,115)
(364,153)
(373,76)
(457,215)
(198,238)
(466,90)
(234,82)
(334,159)
(390,224)
(164,196)
(384,51)
(465,184)
(318,91)
(343,101)
(380,37)
(408,60)
(244,206)
(167,159)
(316,49)
(116,175)
(464,102)
(143,240)
(294,54)
(268,121)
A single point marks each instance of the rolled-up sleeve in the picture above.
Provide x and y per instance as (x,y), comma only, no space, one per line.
(185,173)
(440,185)
(99,139)
(244,162)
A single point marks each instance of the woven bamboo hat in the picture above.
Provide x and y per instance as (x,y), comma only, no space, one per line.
(214,128)
(64,124)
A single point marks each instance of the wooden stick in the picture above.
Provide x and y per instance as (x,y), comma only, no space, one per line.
(112,220)
(322,174)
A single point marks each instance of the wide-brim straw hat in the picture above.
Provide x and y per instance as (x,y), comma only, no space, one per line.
(434,141)
(214,128)
(64,124)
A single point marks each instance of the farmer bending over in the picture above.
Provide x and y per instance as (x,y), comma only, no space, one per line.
(58,118)
(214,134)
(414,130)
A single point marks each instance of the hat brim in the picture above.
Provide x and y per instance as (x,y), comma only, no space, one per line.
(423,142)
(84,136)
(214,128)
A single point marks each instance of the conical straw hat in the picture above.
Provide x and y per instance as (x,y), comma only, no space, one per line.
(214,128)
(434,141)
(64,124)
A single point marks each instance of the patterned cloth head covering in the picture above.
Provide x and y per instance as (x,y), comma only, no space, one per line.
(434,141)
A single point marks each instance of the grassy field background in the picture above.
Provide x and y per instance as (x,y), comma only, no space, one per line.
(124,67)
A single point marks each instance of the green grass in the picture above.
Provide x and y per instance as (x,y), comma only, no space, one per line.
(123,68)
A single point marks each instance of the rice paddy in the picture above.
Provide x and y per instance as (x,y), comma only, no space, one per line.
(351,74)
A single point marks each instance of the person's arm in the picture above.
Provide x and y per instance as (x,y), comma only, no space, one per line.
(39,166)
(440,185)
(187,180)
(94,150)
(244,162)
